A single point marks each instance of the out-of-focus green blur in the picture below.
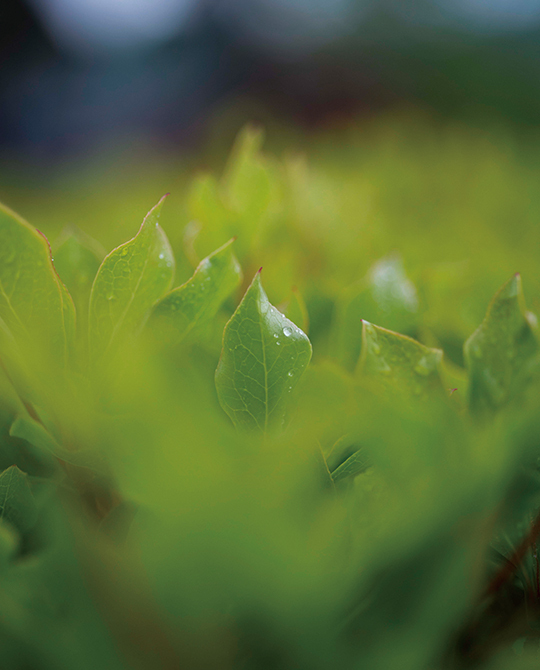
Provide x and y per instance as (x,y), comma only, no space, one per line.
(225,550)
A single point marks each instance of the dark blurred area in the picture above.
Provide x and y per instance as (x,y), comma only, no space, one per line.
(76,74)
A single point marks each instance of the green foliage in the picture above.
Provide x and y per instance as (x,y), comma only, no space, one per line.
(182,486)
(128,283)
(263,358)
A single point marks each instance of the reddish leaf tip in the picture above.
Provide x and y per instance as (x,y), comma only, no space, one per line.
(259,270)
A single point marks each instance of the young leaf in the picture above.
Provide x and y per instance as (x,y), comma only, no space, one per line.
(399,361)
(130,280)
(499,352)
(35,307)
(354,465)
(17,504)
(263,357)
(77,260)
(199,299)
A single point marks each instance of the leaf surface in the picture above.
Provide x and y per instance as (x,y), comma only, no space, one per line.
(498,354)
(17,504)
(263,357)
(77,259)
(35,307)
(354,465)
(399,361)
(131,279)
(38,436)
(199,299)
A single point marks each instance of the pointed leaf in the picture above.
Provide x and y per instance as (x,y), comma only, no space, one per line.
(263,357)
(399,361)
(35,307)
(246,180)
(17,504)
(354,465)
(386,296)
(199,299)
(500,351)
(131,279)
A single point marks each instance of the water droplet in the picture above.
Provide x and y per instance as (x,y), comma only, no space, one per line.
(287,332)
(278,343)
(290,373)
(111,297)
(276,335)
(161,256)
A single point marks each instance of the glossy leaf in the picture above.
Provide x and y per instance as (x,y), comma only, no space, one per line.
(499,353)
(131,279)
(17,504)
(386,296)
(399,361)
(35,307)
(199,299)
(263,357)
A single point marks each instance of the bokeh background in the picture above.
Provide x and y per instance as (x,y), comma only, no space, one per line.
(417,118)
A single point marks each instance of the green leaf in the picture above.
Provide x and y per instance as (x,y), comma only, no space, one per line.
(386,296)
(354,465)
(35,307)
(77,259)
(246,181)
(199,299)
(131,279)
(500,352)
(263,357)
(38,436)
(17,504)
(399,361)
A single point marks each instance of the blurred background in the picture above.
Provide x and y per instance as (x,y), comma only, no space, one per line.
(122,97)
(78,74)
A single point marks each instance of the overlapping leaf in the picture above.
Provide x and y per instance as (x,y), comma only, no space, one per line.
(500,352)
(131,279)
(17,505)
(263,357)
(386,296)
(399,361)
(36,309)
(77,259)
(199,299)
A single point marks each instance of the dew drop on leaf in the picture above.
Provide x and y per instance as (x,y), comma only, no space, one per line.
(287,332)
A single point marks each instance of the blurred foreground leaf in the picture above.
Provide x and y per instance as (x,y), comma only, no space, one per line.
(17,504)
(500,353)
